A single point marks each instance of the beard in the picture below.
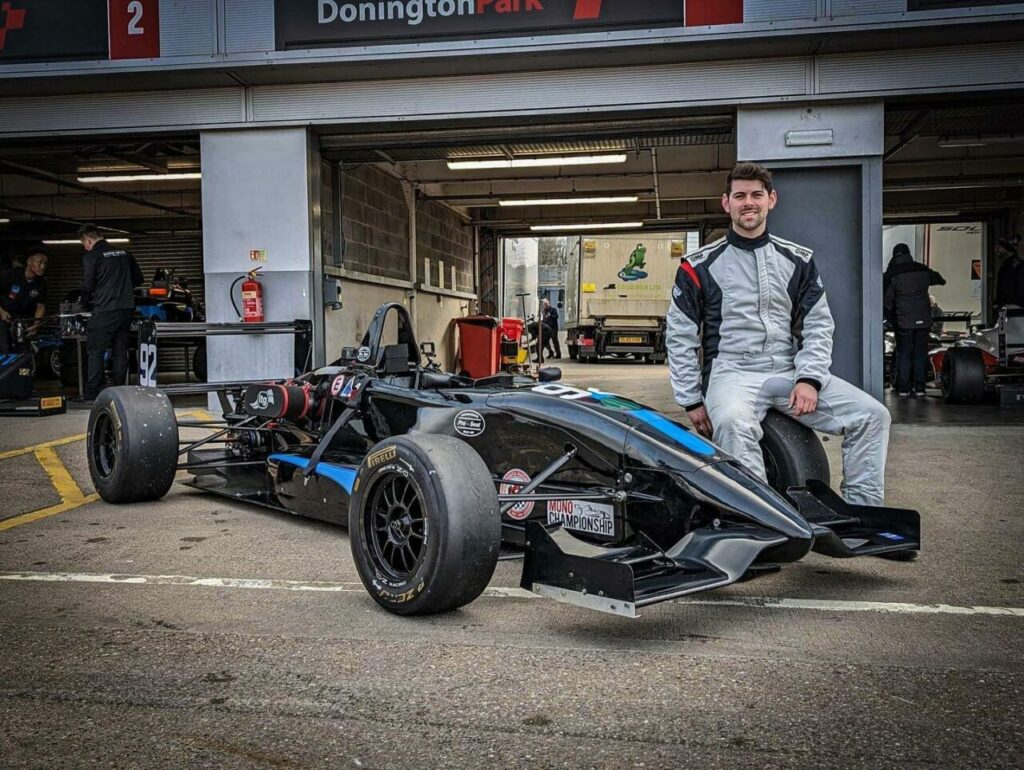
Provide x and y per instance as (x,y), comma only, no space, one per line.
(749,220)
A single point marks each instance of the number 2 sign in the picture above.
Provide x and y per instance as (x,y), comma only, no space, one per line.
(134,29)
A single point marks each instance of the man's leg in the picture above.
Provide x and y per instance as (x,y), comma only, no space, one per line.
(119,346)
(554,341)
(6,338)
(97,342)
(864,425)
(920,360)
(904,357)
(736,407)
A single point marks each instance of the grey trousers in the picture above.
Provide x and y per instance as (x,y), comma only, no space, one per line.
(738,399)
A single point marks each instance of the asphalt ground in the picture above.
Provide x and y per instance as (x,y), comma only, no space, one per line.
(195,632)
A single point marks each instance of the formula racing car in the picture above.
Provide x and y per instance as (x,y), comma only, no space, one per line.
(611,505)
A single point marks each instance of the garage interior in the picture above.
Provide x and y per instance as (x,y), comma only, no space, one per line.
(946,162)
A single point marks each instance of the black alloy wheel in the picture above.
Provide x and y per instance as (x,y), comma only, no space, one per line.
(104,445)
(397,526)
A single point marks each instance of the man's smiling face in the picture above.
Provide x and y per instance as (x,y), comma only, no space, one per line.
(748,205)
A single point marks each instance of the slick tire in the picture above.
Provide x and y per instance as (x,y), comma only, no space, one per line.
(199,363)
(792,453)
(963,376)
(424,524)
(132,444)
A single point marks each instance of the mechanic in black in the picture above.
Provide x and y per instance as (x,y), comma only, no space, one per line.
(22,296)
(109,275)
(1010,278)
(550,318)
(907,308)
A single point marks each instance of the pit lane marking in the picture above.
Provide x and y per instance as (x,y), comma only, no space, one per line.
(753,602)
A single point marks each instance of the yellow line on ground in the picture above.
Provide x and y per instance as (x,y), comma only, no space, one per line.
(26,450)
(26,518)
(62,481)
(70,494)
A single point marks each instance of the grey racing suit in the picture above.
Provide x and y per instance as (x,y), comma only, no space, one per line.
(748,320)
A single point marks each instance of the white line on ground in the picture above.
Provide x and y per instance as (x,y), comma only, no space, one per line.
(771,603)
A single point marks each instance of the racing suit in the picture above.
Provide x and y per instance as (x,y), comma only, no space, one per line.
(757,311)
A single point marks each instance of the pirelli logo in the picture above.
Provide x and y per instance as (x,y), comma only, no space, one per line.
(383,456)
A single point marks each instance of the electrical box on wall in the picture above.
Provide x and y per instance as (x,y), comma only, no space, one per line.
(332,293)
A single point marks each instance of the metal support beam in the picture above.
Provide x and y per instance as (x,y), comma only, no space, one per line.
(45,176)
(910,134)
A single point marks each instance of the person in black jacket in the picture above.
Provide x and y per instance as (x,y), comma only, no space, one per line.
(907,308)
(109,276)
(1010,279)
(550,318)
(22,296)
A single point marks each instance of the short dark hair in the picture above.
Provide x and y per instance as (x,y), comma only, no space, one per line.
(37,250)
(90,231)
(754,172)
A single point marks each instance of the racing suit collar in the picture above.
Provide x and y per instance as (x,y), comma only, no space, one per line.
(748,244)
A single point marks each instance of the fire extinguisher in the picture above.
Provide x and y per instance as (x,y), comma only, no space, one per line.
(252,298)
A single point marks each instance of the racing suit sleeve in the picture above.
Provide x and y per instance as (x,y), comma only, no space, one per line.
(682,337)
(88,276)
(812,327)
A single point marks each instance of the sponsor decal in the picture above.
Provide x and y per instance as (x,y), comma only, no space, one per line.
(52,402)
(363,355)
(469,423)
(891,536)
(263,399)
(676,291)
(583,516)
(51,30)
(514,481)
(337,384)
(382,456)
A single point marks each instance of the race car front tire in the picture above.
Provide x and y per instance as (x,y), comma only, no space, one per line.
(424,524)
(792,452)
(132,444)
(963,376)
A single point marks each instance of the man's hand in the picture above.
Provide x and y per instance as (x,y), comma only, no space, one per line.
(701,421)
(803,399)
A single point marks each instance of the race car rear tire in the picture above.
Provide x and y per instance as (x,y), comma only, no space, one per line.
(199,362)
(792,453)
(963,376)
(132,444)
(424,524)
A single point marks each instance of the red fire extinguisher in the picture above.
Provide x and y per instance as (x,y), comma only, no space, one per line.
(252,298)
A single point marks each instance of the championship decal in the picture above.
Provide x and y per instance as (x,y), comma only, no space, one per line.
(515,480)
(583,516)
(384,455)
(470,424)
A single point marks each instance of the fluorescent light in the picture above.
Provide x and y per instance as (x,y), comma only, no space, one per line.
(140,177)
(591,226)
(73,241)
(569,201)
(557,160)
(5,221)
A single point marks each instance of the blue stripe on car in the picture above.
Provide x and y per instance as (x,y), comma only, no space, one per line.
(665,426)
(340,475)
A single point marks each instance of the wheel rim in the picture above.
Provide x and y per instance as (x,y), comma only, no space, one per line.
(55,362)
(396,527)
(104,446)
(947,376)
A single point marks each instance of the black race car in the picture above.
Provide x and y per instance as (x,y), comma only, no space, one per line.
(612,505)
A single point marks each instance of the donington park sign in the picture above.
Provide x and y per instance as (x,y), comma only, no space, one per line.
(310,23)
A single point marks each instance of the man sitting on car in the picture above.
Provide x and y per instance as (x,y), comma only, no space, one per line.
(756,306)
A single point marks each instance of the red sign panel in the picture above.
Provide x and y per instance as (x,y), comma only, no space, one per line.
(700,13)
(134,29)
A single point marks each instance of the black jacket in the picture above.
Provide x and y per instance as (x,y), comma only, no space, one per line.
(906,285)
(108,276)
(1010,282)
(19,296)
(551,318)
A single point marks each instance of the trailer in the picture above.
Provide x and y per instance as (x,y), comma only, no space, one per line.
(618,293)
